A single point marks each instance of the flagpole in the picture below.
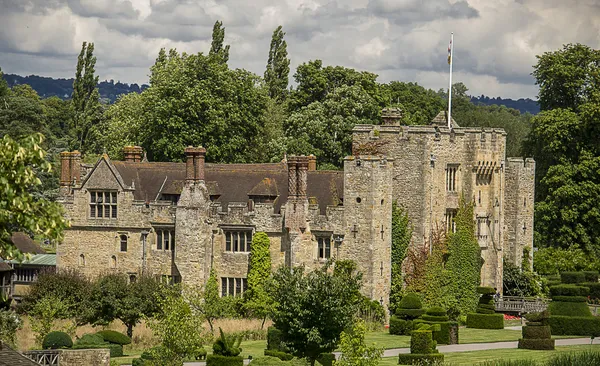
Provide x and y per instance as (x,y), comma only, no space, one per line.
(450,81)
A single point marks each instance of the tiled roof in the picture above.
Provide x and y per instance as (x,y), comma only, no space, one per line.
(25,244)
(10,357)
(4,267)
(231,182)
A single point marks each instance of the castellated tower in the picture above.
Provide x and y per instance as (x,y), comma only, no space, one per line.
(520,181)
(368,221)
(192,259)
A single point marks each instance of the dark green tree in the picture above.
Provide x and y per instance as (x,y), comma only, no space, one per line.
(22,113)
(568,77)
(218,50)
(3,86)
(85,98)
(314,308)
(419,105)
(139,302)
(278,66)
(208,302)
(401,238)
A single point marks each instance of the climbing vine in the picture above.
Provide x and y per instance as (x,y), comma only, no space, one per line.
(401,236)
(438,284)
(258,302)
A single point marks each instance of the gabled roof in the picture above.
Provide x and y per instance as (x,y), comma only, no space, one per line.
(230,182)
(25,244)
(10,357)
(5,267)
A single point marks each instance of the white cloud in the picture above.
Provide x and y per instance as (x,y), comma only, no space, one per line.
(496,42)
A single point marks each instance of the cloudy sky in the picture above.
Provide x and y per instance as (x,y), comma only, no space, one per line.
(495,40)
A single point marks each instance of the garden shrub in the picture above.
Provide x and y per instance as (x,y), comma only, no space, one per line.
(410,301)
(569,290)
(485,311)
(572,277)
(537,331)
(274,361)
(116,350)
(280,355)
(569,298)
(594,289)
(228,346)
(326,359)
(422,346)
(538,344)
(10,322)
(57,340)
(536,335)
(218,360)
(448,333)
(575,325)
(485,321)
(91,339)
(200,354)
(409,314)
(569,308)
(400,326)
(591,276)
(274,339)
(437,311)
(415,359)
(112,336)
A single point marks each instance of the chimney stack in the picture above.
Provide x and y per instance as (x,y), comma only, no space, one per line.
(312,163)
(391,116)
(70,168)
(291,162)
(194,163)
(302,180)
(133,153)
(297,176)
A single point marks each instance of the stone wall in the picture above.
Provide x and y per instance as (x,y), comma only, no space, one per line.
(84,357)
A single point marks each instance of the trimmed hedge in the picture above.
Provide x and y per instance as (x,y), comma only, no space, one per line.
(538,317)
(538,344)
(116,350)
(410,301)
(57,340)
(569,308)
(409,314)
(91,339)
(280,355)
(218,360)
(572,277)
(591,276)
(485,321)
(448,333)
(485,290)
(531,332)
(487,306)
(417,359)
(569,298)
(432,318)
(575,325)
(436,311)
(569,290)
(273,338)
(400,326)
(421,342)
(326,359)
(112,336)
(594,289)
(485,311)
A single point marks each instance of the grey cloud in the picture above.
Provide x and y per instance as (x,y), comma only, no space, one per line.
(102,8)
(413,11)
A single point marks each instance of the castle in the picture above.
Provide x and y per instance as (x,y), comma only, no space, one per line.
(179,220)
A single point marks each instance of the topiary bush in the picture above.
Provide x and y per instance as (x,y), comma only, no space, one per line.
(280,355)
(448,333)
(569,290)
(536,334)
(410,301)
(575,325)
(485,321)
(228,346)
(572,277)
(57,340)
(569,308)
(218,360)
(400,326)
(90,339)
(112,336)
(591,276)
(422,346)
(594,289)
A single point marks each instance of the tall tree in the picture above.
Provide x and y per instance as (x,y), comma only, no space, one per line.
(568,77)
(278,66)
(85,100)
(217,48)
(20,210)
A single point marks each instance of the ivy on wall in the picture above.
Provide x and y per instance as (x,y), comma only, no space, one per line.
(258,302)
(401,236)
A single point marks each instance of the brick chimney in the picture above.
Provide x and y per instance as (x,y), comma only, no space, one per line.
(292,175)
(312,163)
(70,168)
(302,180)
(391,116)
(194,163)
(133,153)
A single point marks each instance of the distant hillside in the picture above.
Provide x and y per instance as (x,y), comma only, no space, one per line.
(48,87)
(522,105)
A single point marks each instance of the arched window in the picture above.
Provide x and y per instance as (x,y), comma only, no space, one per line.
(113,262)
(123,243)
(82,260)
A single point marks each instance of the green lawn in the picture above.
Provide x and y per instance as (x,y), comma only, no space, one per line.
(471,358)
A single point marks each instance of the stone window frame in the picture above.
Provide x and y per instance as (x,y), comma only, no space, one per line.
(452,177)
(233,286)
(99,206)
(324,239)
(113,261)
(81,260)
(160,244)
(120,236)
(231,233)
(449,219)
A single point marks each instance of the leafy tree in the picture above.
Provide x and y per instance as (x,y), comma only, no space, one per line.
(10,323)
(194,100)
(271,142)
(176,327)
(401,237)
(552,261)
(139,302)
(325,128)
(419,105)
(20,211)
(313,309)
(278,66)
(3,85)
(354,350)
(209,304)
(258,301)
(44,313)
(106,298)
(85,102)
(568,77)
(218,50)
(22,113)
(518,282)
(69,286)
(464,260)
